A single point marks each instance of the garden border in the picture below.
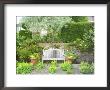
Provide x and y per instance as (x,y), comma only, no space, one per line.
(2,31)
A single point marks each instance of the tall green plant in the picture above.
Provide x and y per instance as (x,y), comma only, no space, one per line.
(25,33)
(79,18)
(81,34)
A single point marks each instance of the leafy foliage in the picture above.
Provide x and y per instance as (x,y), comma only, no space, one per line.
(24,68)
(65,66)
(71,31)
(26,49)
(69,71)
(37,23)
(54,63)
(35,56)
(36,38)
(79,18)
(26,45)
(81,34)
(23,54)
(71,54)
(60,28)
(25,33)
(24,26)
(39,66)
(52,69)
(52,24)
(86,68)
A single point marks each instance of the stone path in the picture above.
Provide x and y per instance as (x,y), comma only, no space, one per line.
(59,70)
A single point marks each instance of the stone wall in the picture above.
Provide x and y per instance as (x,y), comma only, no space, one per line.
(85,57)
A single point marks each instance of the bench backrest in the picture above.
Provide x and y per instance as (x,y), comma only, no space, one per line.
(53,53)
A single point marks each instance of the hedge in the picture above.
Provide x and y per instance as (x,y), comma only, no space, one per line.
(80,31)
(71,31)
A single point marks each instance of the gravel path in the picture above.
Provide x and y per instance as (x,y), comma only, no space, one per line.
(59,70)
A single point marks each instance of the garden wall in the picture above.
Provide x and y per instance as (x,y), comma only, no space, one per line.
(84,56)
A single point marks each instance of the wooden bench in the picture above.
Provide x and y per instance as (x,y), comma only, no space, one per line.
(50,54)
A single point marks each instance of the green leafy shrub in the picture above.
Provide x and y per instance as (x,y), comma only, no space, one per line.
(26,33)
(28,42)
(52,69)
(48,38)
(39,66)
(31,46)
(79,18)
(35,56)
(81,34)
(83,45)
(71,31)
(76,56)
(19,40)
(35,49)
(26,48)
(39,49)
(23,68)
(86,68)
(71,55)
(69,71)
(24,26)
(54,62)
(23,54)
(17,63)
(65,66)
(37,38)
(32,57)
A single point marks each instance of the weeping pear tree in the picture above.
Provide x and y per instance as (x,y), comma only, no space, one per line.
(37,23)
(51,24)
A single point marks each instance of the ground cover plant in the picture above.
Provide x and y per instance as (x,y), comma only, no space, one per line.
(53,67)
(67,66)
(86,68)
(39,66)
(24,68)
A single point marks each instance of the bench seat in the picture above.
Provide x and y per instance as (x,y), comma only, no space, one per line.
(50,54)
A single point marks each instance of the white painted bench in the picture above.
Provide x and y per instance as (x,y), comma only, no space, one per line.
(50,54)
